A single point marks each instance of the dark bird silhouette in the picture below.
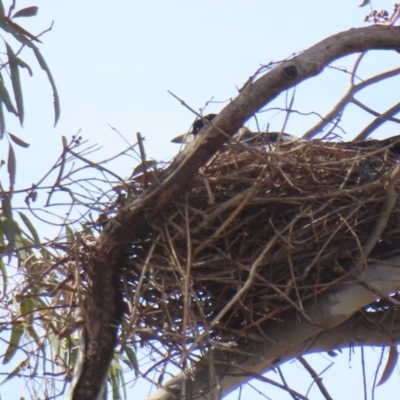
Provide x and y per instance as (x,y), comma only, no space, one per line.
(244,135)
(198,124)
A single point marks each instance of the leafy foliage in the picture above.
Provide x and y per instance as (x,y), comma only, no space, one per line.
(40,296)
(12,67)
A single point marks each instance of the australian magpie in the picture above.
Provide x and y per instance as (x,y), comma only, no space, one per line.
(244,135)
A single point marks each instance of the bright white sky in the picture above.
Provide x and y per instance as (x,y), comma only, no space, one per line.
(113,62)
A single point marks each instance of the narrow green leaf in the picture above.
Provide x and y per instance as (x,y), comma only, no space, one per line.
(16,82)
(71,356)
(5,98)
(8,224)
(70,236)
(11,168)
(132,359)
(3,270)
(23,64)
(2,119)
(114,382)
(40,304)
(46,254)
(26,306)
(119,371)
(123,385)
(18,31)
(34,335)
(55,343)
(391,364)
(2,11)
(16,370)
(2,241)
(44,66)
(116,364)
(40,348)
(23,248)
(26,12)
(17,332)
(18,141)
(30,227)
(86,229)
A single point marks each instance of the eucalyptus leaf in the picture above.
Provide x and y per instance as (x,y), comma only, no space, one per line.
(12,168)
(17,31)
(5,97)
(70,236)
(18,141)
(16,82)
(23,64)
(30,227)
(44,66)
(26,307)
(16,371)
(2,119)
(26,12)
(3,271)
(133,362)
(114,380)
(8,223)
(17,331)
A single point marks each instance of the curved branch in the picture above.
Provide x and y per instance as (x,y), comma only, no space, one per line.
(377,122)
(349,98)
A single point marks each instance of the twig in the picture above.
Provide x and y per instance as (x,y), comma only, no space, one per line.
(316,377)
(374,125)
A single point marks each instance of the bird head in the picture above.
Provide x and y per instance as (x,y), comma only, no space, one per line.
(197,126)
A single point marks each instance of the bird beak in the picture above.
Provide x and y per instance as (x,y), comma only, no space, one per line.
(180,139)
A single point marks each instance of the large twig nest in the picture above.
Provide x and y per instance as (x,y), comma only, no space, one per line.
(261,229)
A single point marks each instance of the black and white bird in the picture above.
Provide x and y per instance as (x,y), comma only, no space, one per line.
(198,124)
(244,135)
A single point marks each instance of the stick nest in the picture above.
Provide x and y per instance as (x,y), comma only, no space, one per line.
(259,230)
